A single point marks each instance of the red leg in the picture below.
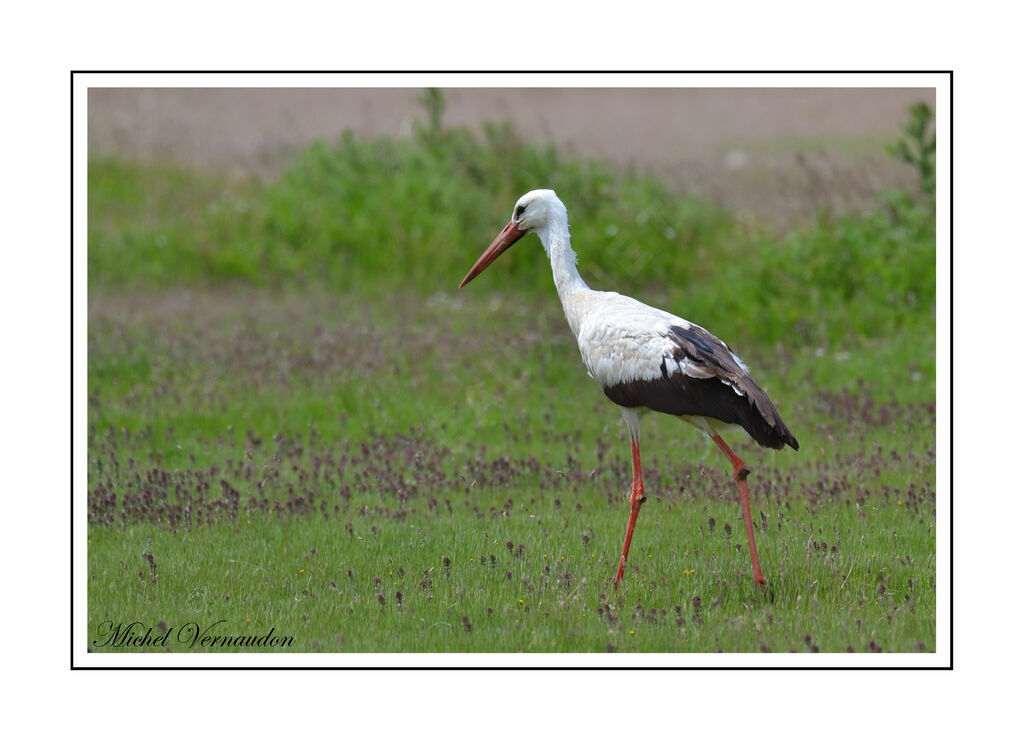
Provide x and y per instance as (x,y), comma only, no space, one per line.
(740,473)
(636,498)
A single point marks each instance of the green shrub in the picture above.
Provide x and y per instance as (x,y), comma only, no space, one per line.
(868,275)
(917,146)
(380,215)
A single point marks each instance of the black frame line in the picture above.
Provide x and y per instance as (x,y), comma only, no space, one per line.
(283,73)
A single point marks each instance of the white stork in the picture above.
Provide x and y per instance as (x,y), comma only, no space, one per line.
(647,359)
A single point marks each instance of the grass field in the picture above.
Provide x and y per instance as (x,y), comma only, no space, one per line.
(297,423)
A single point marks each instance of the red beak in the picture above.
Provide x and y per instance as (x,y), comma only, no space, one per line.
(508,237)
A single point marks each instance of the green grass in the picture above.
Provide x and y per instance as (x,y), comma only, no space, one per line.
(190,394)
(687,590)
(278,427)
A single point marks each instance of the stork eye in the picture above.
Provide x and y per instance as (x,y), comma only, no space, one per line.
(519,211)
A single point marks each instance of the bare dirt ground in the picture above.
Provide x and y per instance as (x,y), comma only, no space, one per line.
(782,154)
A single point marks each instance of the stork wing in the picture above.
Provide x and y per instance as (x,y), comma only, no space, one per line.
(702,376)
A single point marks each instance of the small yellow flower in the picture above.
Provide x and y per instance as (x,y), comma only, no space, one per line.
(632,632)
(563,558)
(520,602)
(874,555)
(247,620)
(302,571)
(545,555)
(649,555)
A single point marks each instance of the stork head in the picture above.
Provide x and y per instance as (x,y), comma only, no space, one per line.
(533,212)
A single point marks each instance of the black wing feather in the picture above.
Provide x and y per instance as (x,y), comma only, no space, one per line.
(730,394)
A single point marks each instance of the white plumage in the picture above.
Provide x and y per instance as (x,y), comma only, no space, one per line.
(622,339)
(645,358)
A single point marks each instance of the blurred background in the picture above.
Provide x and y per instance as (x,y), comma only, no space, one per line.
(793,219)
(780,153)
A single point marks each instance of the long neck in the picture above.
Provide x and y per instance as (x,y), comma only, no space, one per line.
(555,238)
